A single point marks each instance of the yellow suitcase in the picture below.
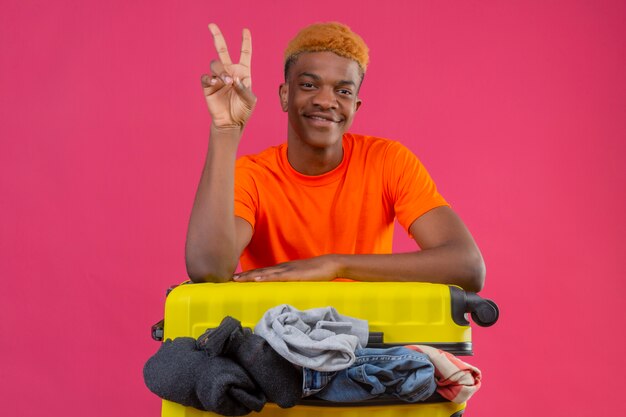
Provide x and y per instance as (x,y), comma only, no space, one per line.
(398,313)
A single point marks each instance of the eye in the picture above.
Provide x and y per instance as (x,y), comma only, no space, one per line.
(345,92)
(307,86)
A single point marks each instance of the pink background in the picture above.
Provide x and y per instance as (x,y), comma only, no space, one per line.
(518,109)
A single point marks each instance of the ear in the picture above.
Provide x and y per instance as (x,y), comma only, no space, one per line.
(283,94)
(357,105)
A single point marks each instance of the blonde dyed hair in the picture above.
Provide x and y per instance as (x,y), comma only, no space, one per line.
(332,37)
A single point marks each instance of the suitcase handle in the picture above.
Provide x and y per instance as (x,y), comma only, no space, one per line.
(157,330)
(484,312)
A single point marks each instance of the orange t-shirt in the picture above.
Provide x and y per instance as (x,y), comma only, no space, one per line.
(349,210)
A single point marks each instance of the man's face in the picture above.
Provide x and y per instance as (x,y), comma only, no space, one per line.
(320,97)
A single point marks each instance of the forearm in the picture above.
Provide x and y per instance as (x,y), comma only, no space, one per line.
(448,264)
(211,250)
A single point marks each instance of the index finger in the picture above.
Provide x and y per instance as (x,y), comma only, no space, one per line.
(220,44)
(246,49)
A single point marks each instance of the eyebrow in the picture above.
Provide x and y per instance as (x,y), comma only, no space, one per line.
(318,78)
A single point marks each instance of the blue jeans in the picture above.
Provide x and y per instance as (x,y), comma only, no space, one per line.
(394,372)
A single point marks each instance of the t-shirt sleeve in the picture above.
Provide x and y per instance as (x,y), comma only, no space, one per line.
(246,193)
(409,185)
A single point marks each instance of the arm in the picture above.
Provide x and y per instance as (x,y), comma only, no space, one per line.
(449,255)
(215,237)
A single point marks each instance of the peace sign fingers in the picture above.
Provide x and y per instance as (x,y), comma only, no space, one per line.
(222,50)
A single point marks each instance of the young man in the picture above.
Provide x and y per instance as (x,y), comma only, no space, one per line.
(321,206)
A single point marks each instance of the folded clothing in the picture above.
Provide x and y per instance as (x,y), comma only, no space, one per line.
(395,372)
(181,373)
(280,381)
(456,380)
(318,338)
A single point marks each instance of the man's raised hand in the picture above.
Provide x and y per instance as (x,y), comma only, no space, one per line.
(228,90)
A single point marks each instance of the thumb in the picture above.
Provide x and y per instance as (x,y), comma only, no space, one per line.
(210,84)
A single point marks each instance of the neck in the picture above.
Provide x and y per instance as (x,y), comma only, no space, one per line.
(309,160)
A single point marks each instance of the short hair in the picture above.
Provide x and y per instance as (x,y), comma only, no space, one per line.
(332,37)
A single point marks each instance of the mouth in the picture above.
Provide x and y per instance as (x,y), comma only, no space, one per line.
(322,118)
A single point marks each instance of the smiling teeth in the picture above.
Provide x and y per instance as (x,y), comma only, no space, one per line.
(320,118)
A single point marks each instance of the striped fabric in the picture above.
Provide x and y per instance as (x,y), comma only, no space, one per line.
(456,380)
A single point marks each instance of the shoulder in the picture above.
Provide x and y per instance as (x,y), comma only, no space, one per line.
(373,147)
(367,142)
(265,161)
(267,156)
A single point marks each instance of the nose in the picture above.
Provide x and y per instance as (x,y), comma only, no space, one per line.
(325,98)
